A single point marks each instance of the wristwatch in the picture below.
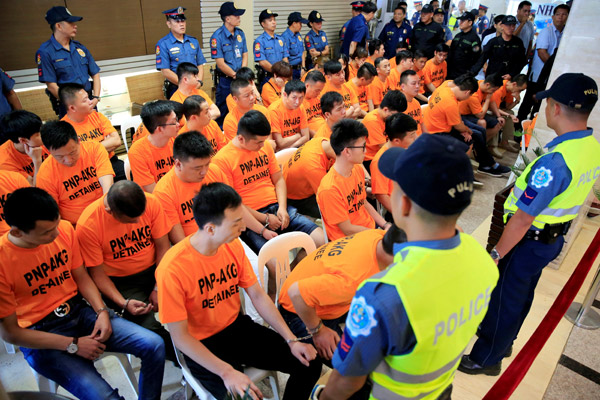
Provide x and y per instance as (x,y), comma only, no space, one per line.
(96,97)
(495,255)
(72,348)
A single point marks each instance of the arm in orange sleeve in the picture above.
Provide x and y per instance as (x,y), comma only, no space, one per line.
(104,169)
(140,169)
(112,139)
(229,127)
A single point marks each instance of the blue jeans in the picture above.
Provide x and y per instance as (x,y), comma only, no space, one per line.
(298,223)
(511,300)
(78,375)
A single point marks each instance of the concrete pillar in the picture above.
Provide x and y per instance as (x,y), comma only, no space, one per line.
(247,25)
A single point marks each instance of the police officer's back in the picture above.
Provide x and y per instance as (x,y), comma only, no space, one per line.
(426,33)
(465,48)
(64,60)
(269,47)
(177,47)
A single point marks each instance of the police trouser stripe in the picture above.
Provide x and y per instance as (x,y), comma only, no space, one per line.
(403,377)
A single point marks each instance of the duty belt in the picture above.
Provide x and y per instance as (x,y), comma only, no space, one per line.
(549,234)
(296,67)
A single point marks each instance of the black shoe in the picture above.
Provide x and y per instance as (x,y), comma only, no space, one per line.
(509,351)
(496,170)
(470,367)
(477,183)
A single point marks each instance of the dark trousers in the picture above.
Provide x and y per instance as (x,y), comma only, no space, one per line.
(139,287)
(296,73)
(480,150)
(223,90)
(511,300)
(529,106)
(118,167)
(246,343)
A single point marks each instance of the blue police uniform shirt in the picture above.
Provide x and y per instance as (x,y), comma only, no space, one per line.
(6,83)
(415,18)
(391,35)
(316,41)
(271,49)
(59,65)
(549,177)
(483,24)
(228,46)
(447,33)
(295,46)
(170,52)
(344,28)
(357,31)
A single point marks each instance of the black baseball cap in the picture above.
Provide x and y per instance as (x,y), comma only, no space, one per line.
(509,20)
(297,17)
(315,16)
(266,14)
(228,8)
(468,16)
(574,90)
(427,8)
(438,10)
(434,172)
(59,14)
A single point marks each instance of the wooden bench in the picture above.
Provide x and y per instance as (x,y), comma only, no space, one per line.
(38,103)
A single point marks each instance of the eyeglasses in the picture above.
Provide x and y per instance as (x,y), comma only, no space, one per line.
(174,124)
(364,147)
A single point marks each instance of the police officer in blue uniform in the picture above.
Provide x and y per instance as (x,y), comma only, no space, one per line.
(417,15)
(315,41)
(538,212)
(484,21)
(269,47)
(228,48)
(176,48)
(64,60)
(8,97)
(395,31)
(293,41)
(356,10)
(357,32)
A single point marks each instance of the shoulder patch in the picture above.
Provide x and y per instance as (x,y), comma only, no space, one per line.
(528,196)
(361,318)
(38,58)
(541,177)
(157,50)
(345,344)
(213,42)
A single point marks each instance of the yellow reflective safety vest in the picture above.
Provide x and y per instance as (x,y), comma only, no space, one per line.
(445,292)
(582,157)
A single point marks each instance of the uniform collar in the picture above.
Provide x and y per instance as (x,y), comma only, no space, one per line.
(269,36)
(569,136)
(445,244)
(362,18)
(227,33)
(174,39)
(289,30)
(57,45)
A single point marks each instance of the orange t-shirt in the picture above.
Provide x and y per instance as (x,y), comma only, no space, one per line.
(435,74)
(393,62)
(502,95)
(9,182)
(305,169)
(376,127)
(287,122)
(212,133)
(351,71)
(270,92)
(140,132)
(94,127)
(394,80)
(378,89)
(249,173)
(33,282)
(124,249)
(74,188)
(379,183)
(207,295)
(472,105)
(324,131)
(180,97)
(313,113)
(177,197)
(230,124)
(413,109)
(329,276)
(421,75)
(442,113)
(349,96)
(230,102)
(148,162)
(361,93)
(342,199)
(13,160)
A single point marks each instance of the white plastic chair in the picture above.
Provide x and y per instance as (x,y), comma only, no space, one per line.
(255,375)
(129,123)
(323,223)
(127,168)
(284,155)
(279,248)
(10,348)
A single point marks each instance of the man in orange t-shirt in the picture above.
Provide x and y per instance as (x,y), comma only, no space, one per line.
(9,182)
(342,194)
(203,313)
(123,236)
(332,106)
(474,110)
(322,285)
(401,130)
(503,101)
(335,83)
(271,90)
(76,173)
(436,69)
(315,82)
(409,82)
(187,74)
(43,292)
(380,85)
(420,61)
(198,118)
(404,61)
(90,124)
(288,117)
(152,156)
(243,95)
(23,151)
(393,102)
(359,86)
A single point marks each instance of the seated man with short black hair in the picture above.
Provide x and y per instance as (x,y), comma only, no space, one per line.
(90,124)
(315,82)
(123,236)
(198,118)
(187,73)
(58,318)
(332,107)
(359,85)
(336,80)
(242,92)
(76,173)
(288,117)
(203,315)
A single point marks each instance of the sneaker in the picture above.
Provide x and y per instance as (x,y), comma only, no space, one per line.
(495,152)
(477,183)
(496,170)
(470,367)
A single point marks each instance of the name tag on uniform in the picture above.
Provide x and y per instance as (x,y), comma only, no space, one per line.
(174,50)
(238,54)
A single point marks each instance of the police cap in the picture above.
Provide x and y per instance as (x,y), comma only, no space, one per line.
(228,8)
(509,20)
(175,13)
(266,14)
(427,8)
(574,90)
(59,14)
(296,17)
(467,16)
(315,16)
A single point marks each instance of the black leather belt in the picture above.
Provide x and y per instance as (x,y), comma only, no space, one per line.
(549,234)
(62,310)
